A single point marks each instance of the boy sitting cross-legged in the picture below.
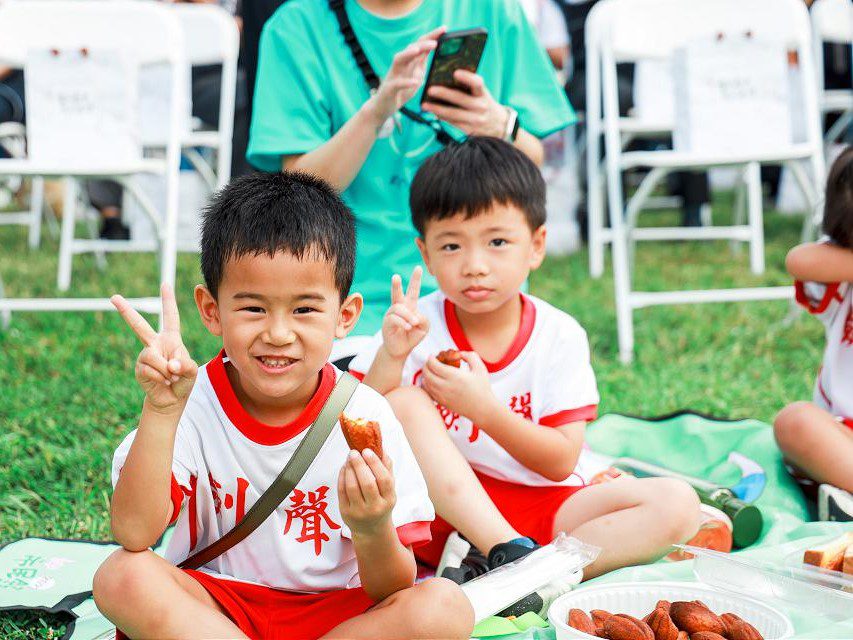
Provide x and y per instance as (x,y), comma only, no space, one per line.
(517,408)
(335,558)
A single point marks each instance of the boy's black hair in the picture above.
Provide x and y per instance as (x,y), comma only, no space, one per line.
(838,207)
(470,177)
(264,213)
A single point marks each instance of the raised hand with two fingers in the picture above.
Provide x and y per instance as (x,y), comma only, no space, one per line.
(404,326)
(164,368)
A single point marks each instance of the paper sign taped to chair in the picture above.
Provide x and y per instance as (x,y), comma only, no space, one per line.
(155,95)
(81,108)
(731,97)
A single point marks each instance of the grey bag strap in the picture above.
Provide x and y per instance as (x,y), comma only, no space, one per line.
(286,480)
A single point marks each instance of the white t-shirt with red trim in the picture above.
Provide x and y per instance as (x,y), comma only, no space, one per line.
(224,459)
(545,376)
(832,302)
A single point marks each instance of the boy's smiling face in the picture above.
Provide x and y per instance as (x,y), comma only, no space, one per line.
(481,262)
(277,317)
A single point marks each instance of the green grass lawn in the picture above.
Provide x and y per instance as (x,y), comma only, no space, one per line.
(68,396)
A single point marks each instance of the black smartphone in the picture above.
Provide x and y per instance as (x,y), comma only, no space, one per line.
(456,50)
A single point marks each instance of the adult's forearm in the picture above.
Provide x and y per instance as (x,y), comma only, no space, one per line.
(531,146)
(141,504)
(384,564)
(339,160)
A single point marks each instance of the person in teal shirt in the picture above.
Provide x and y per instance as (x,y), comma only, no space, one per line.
(313,110)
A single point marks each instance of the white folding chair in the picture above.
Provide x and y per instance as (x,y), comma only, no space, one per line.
(832,21)
(13,141)
(148,33)
(631,128)
(632,30)
(211,37)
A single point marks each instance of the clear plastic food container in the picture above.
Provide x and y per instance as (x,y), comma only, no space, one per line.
(826,592)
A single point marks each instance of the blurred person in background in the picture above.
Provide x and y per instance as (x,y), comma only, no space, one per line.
(313,110)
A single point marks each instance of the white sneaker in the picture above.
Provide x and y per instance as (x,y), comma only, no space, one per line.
(834,504)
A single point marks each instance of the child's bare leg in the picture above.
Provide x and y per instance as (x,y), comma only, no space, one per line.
(147,597)
(633,521)
(453,488)
(813,440)
(432,609)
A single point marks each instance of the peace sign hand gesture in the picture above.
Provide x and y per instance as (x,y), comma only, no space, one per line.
(164,368)
(404,325)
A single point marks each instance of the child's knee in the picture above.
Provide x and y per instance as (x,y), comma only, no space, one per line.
(441,609)
(120,578)
(790,424)
(679,508)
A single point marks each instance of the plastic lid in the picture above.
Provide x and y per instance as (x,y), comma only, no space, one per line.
(805,588)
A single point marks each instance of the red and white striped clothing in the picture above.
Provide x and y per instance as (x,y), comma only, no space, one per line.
(545,376)
(224,459)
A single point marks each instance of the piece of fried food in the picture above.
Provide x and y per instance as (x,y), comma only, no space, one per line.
(361,434)
(450,357)
(829,555)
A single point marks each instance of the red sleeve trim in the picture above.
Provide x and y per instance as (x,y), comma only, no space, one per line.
(414,534)
(588,413)
(358,375)
(177,500)
(830,294)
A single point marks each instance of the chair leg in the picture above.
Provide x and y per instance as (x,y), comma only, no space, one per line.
(756,218)
(739,209)
(5,314)
(36,211)
(69,205)
(595,215)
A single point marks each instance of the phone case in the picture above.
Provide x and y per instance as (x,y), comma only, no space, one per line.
(455,50)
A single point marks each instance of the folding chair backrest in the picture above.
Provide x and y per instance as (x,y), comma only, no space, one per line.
(210,33)
(833,21)
(151,35)
(655,28)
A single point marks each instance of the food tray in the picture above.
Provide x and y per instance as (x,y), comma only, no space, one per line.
(639,598)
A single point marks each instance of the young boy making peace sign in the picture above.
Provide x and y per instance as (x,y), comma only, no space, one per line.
(499,439)
(335,558)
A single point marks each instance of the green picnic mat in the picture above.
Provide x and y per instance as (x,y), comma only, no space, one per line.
(701,447)
(686,442)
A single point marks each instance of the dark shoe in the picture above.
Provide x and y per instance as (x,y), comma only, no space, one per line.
(113,229)
(473,564)
(507,552)
(834,504)
(692,216)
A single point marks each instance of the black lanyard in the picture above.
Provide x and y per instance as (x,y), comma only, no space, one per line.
(337,6)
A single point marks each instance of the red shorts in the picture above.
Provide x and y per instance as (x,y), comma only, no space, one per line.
(263,612)
(530,511)
(847,422)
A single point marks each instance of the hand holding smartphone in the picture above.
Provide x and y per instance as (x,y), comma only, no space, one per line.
(460,49)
